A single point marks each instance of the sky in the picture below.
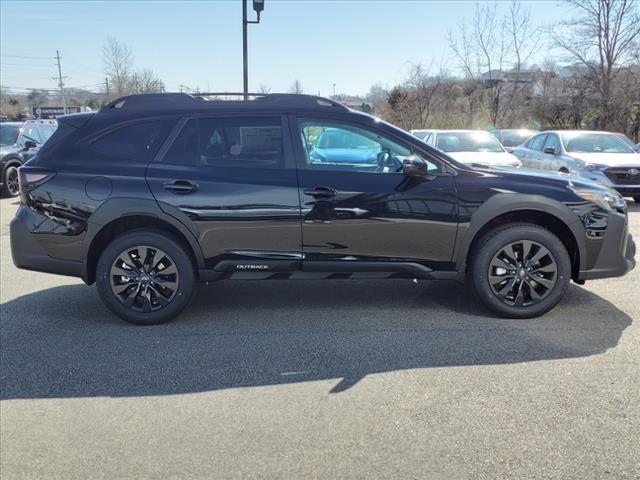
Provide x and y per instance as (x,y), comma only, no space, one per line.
(353,44)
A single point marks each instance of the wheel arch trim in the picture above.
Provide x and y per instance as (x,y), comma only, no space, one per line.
(505,203)
(123,207)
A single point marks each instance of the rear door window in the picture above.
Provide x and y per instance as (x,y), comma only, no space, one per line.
(229,142)
(139,142)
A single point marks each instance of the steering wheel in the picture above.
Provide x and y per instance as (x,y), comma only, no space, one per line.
(387,162)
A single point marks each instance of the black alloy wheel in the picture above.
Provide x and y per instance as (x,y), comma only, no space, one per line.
(144,278)
(519,270)
(522,273)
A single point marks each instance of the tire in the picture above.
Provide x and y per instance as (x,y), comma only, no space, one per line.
(525,291)
(10,186)
(154,284)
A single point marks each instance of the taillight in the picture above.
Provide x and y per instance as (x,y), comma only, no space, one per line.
(32,177)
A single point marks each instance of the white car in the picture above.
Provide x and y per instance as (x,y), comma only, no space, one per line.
(422,134)
(472,147)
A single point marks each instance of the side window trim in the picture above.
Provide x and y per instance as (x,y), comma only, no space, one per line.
(182,121)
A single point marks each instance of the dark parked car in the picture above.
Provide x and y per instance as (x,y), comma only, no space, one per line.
(156,192)
(510,138)
(19,141)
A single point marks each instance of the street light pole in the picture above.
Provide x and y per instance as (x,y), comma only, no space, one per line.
(245,60)
(258,6)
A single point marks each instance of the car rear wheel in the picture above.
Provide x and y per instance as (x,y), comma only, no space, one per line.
(520,270)
(145,277)
(10,184)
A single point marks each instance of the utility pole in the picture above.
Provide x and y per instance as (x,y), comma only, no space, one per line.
(60,84)
(334,89)
(106,82)
(258,6)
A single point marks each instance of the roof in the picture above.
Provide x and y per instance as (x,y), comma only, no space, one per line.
(461,130)
(578,131)
(183,102)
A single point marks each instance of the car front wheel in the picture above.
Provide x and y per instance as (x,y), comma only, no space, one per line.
(520,270)
(145,277)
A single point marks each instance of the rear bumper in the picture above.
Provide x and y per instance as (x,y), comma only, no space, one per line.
(28,253)
(617,254)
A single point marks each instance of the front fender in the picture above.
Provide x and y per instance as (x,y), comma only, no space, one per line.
(503,203)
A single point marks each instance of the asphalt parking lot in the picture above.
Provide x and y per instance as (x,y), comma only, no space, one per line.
(331,379)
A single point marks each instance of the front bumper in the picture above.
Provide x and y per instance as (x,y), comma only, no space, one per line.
(28,253)
(617,253)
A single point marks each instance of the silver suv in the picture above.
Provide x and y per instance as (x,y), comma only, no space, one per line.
(600,156)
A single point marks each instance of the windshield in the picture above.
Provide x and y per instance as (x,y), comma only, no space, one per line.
(421,135)
(516,137)
(594,143)
(337,138)
(468,142)
(9,134)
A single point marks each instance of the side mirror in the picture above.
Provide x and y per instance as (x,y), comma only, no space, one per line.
(549,150)
(414,166)
(29,144)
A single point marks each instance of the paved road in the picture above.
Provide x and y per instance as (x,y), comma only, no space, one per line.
(362,379)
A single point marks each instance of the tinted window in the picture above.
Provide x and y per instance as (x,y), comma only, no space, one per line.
(9,134)
(513,138)
(335,145)
(468,142)
(230,142)
(139,141)
(537,142)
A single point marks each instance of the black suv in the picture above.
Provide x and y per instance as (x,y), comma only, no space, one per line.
(156,192)
(19,141)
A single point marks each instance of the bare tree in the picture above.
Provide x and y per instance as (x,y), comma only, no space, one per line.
(296,87)
(118,63)
(145,81)
(423,87)
(264,88)
(603,36)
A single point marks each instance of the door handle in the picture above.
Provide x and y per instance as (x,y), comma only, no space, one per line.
(180,186)
(321,191)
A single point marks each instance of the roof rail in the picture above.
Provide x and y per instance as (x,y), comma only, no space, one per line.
(199,99)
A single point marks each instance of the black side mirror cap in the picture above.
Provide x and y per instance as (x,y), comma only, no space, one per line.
(29,144)
(414,166)
(550,150)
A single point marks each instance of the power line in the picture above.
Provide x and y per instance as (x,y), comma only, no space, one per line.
(28,64)
(25,56)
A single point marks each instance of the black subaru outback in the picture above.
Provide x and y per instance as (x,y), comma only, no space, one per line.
(156,192)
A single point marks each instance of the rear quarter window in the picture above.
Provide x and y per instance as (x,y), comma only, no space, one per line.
(138,142)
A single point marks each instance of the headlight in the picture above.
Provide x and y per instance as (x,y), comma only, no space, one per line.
(593,167)
(589,167)
(606,200)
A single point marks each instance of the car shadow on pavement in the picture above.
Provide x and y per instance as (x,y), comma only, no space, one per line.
(61,342)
